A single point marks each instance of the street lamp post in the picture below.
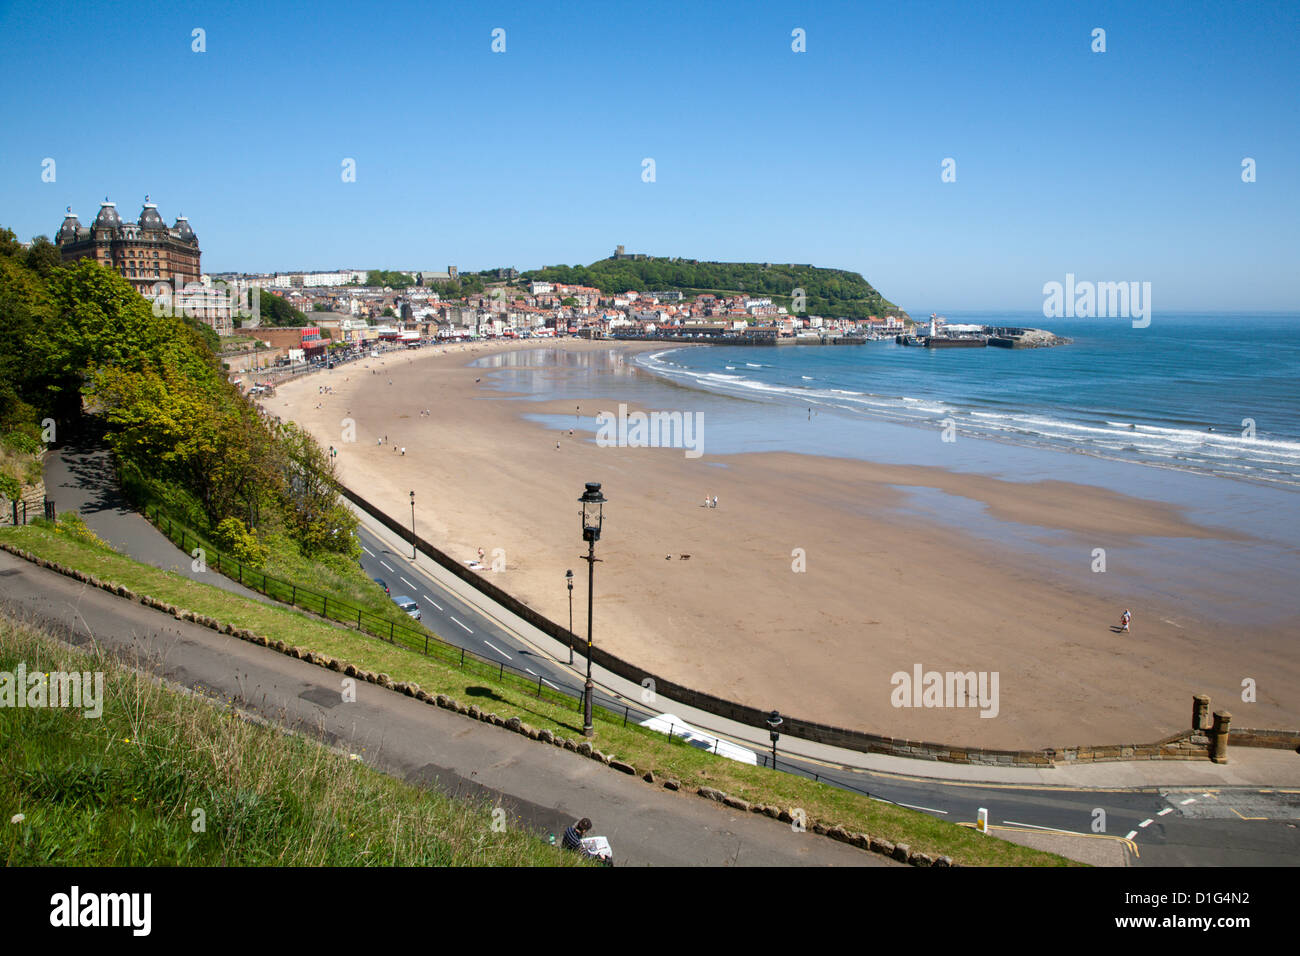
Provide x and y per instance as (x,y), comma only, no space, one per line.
(593,503)
(413,525)
(568,577)
(774,721)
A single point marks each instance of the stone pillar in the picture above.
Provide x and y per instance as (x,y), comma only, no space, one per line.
(1201,712)
(1219,737)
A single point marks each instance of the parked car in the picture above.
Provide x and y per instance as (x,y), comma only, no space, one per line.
(380,582)
(408,605)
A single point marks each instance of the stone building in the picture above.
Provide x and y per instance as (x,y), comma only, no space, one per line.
(143,252)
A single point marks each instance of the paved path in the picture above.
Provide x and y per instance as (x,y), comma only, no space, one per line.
(542,786)
(79,477)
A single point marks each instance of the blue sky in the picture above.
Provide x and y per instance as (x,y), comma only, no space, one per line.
(1123,165)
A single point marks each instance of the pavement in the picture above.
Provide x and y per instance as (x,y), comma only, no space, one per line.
(79,477)
(542,787)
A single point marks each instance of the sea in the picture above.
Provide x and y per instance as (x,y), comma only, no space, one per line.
(1198,411)
(1206,394)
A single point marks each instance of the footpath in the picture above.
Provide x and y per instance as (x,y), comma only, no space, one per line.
(79,477)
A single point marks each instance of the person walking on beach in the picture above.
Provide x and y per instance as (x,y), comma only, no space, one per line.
(715,502)
(1124,620)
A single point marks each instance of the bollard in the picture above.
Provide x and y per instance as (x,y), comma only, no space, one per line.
(1201,712)
(982,821)
(1219,738)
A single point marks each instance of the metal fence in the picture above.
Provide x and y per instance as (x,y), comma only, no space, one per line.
(416,639)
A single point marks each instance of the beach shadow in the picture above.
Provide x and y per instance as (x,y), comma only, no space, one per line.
(1116,629)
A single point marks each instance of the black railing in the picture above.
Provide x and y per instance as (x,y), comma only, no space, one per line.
(416,639)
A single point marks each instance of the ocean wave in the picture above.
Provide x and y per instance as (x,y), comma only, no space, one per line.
(1226,453)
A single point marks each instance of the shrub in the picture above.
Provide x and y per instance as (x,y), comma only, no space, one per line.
(243,544)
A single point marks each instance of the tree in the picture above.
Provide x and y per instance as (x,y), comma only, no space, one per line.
(43,257)
(275,311)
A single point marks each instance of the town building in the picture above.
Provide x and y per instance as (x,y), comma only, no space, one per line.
(144,252)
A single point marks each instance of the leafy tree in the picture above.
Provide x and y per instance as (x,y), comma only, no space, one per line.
(394,280)
(43,256)
(275,311)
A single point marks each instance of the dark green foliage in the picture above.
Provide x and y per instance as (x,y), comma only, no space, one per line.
(394,280)
(275,311)
(831,292)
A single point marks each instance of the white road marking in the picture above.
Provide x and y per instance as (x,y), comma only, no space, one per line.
(1013,823)
(386,565)
(927,809)
(1164,811)
(367,551)
(406,582)
(1187,801)
(462,625)
(1145,823)
(433,602)
(531,671)
(548,683)
(1131,834)
(497,649)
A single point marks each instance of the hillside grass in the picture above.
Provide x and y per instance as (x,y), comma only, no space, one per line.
(343,581)
(509,696)
(165,778)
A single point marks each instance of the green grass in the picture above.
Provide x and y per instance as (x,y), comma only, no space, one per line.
(123,789)
(286,575)
(509,696)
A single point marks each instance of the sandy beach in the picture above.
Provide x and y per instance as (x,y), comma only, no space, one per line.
(739,620)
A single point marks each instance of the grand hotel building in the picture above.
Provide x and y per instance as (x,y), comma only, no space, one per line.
(142,252)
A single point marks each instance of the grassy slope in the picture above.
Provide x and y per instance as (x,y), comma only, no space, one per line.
(121,790)
(341,581)
(514,697)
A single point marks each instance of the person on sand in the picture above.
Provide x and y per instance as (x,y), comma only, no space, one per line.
(1124,620)
(715,502)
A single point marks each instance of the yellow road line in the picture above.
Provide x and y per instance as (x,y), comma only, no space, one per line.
(1096,836)
(1234,810)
